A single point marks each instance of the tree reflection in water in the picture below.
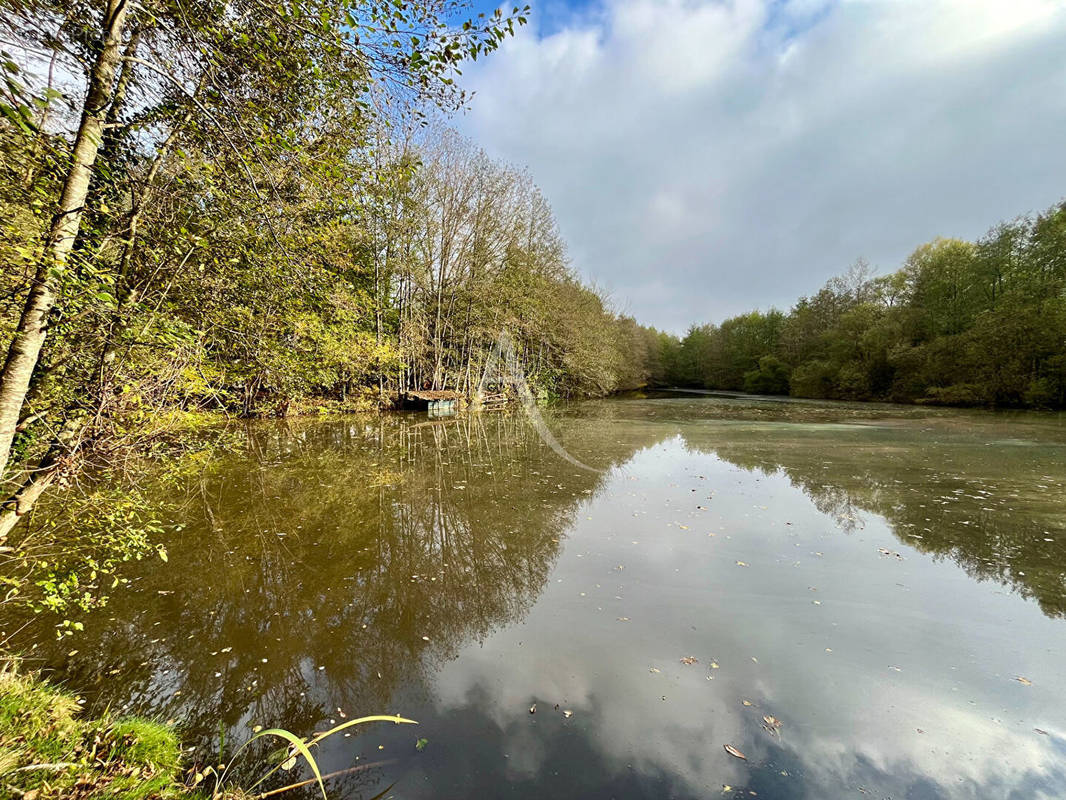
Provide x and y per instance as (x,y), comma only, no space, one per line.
(331,569)
(327,569)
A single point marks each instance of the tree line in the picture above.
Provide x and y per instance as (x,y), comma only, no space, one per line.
(253,208)
(961,323)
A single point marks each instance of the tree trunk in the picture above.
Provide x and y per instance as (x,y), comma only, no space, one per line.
(50,468)
(25,349)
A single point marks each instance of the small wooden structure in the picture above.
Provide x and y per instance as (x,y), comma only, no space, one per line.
(491,401)
(436,402)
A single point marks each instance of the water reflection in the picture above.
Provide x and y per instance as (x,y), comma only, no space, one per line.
(456,571)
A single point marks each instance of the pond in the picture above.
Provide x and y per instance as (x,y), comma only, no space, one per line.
(863,601)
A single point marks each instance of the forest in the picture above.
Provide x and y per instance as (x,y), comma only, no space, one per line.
(960,323)
(264,213)
(260,213)
(233,232)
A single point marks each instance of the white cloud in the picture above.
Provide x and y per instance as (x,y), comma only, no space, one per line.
(707,157)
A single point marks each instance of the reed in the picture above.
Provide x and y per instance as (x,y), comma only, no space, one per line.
(297,747)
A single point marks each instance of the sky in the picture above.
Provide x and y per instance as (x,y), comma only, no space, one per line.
(707,157)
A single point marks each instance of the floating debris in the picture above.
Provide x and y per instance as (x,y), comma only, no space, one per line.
(772,724)
(1024,681)
(567,714)
(533,709)
(687,660)
(734,752)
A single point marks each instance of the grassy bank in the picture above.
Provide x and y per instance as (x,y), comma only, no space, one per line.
(49,750)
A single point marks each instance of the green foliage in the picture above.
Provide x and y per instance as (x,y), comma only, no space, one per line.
(248,241)
(961,323)
(47,748)
(770,378)
(74,559)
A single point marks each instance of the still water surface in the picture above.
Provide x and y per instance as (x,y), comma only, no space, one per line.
(886,585)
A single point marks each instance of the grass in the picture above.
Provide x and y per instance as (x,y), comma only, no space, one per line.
(49,752)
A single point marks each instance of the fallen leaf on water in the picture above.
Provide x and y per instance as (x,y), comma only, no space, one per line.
(689,660)
(714,665)
(568,713)
(533,709)
(1024,681)
(772,724)
(746,702)
(742,564)
(734,752)
(1041,731)
(653,669)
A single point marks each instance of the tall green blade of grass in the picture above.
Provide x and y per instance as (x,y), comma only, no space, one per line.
(303,748)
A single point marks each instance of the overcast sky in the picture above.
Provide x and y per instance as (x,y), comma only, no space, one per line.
(707,157)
